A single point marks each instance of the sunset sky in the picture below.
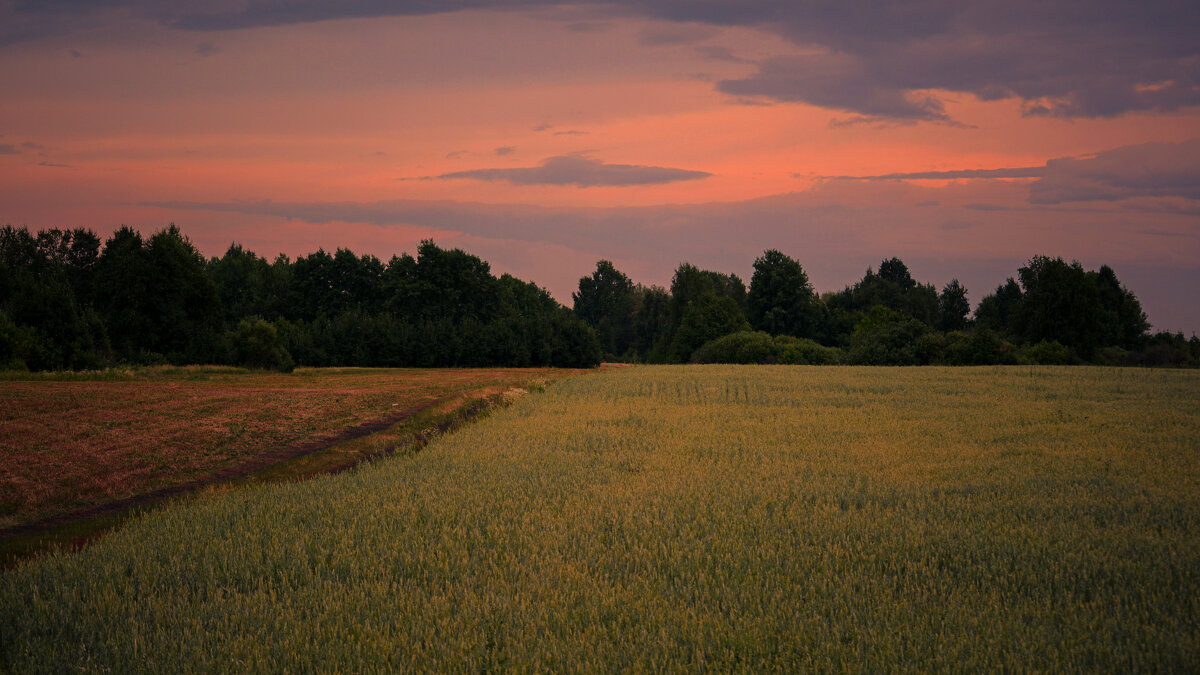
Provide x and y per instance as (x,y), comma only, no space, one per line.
(962,137)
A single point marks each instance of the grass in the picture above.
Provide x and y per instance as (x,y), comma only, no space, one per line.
(684,518)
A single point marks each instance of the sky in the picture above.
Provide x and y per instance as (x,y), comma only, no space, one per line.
(961,137)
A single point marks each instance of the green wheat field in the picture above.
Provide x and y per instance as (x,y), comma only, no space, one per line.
(748,518)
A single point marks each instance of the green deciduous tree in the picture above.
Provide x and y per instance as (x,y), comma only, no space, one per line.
(893,287)
(454,285)
(652,323)
(122,288)
(606,300)
(707,318)
(996,311)
(953,307)
(894,271)
(781,301)
(48,325)
(1061,303)
(1125,322)
(691,282)
(885,337)
(243,282)
(182,308)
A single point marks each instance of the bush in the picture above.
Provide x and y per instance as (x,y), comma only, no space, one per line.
(800,351)
(1161,350)
(17,345)
(759,347)
(302,341)
(256,344)
(1051,353)
(982,347)
(741,347)
(707,318)
(1163,355)
(931,347)
(890,342)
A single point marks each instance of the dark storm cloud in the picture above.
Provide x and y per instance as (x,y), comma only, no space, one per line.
(583,172)
(1148,170)
(224,15)
(1061,57)
(876,58)
(1132,171)
(31,19)
(833,81)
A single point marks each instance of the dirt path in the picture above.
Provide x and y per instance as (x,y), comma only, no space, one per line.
(247,468)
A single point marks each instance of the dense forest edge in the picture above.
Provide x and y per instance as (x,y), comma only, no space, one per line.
(69,302)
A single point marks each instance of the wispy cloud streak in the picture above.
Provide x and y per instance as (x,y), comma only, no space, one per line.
(581,172)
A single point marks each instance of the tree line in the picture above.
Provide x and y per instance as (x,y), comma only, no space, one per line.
(1053,312)
(68,302)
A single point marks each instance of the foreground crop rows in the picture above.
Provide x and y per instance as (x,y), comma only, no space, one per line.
(651,518)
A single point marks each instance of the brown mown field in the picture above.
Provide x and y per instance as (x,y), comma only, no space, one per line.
(69,442)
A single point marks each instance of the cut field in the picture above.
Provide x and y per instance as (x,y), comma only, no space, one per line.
(77,441)
(684,518)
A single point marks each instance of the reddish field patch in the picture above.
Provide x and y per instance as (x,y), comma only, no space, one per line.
(71,444)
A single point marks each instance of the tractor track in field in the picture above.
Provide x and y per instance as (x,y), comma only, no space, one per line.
(468,410)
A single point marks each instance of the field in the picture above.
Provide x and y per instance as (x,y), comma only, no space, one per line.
(76,441)
(683,518)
